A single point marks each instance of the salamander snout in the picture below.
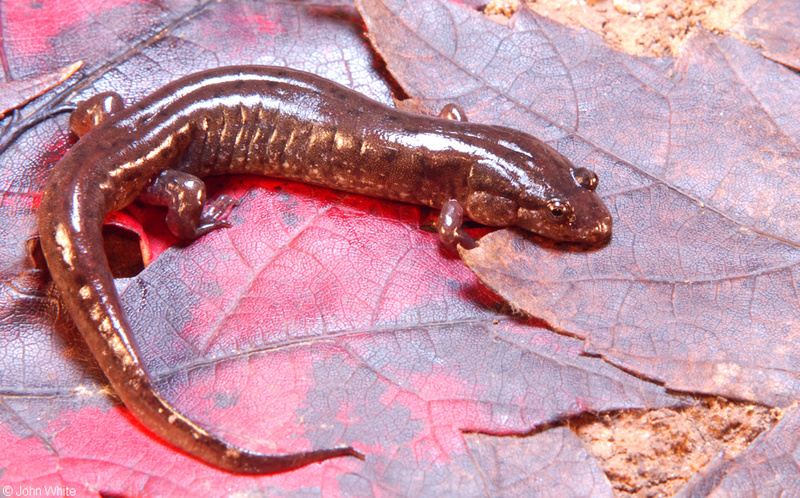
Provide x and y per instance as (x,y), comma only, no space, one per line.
(589,223)
(521,181)
(570,212)
(573,212)
(601,232)
(593,223)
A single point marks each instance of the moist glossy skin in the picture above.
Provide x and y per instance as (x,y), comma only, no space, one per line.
(288,124)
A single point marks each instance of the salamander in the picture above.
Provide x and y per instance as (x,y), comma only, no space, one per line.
(289,124)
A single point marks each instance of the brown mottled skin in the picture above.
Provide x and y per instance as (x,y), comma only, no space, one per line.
(289,124)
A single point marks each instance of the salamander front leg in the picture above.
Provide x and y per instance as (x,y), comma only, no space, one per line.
(449,226)
(188,214)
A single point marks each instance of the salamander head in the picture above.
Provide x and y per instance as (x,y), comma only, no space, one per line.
(540,191)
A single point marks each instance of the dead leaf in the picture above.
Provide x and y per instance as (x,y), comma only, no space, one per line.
(769,467)
(17,93)
(553,463)
(773,25)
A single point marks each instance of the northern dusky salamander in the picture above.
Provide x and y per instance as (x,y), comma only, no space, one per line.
(294,125)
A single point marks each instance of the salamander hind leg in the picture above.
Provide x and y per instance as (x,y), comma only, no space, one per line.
(452,111)
(93,111)
(188,214)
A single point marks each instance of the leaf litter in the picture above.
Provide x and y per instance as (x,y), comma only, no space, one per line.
(192,49)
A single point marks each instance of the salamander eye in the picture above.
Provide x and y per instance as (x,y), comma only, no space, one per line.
(558,211)
(586,178)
